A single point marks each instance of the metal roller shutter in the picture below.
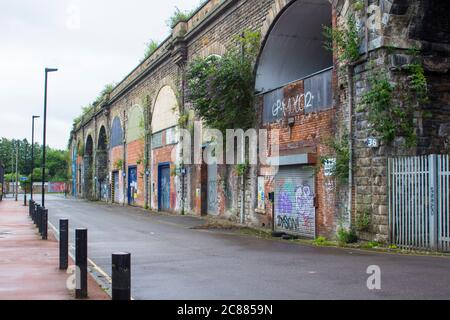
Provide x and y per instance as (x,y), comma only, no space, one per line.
(294,201)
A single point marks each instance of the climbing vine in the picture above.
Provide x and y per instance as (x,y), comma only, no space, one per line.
(344,40)
(341,151)
(388,118)
(221,89)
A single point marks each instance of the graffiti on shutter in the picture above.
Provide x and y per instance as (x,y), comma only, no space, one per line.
(294,201)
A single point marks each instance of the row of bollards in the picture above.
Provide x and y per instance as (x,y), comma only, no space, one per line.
(121,264)
(39,215)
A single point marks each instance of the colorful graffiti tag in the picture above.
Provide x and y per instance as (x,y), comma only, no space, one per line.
(295,209)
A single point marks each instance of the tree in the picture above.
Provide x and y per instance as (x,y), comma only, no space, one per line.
(222,88)
(56,164)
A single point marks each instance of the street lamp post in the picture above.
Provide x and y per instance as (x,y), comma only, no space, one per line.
(44,141)
(32,154)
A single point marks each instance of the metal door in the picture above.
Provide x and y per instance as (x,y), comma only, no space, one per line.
(116,194)
(132,185)
(212,189)
(295,210)
(164,188)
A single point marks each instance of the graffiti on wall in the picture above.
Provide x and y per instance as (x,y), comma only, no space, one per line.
(261,193)
(313,94)
(295,208)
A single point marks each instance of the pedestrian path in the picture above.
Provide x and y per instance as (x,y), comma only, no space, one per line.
(29,266)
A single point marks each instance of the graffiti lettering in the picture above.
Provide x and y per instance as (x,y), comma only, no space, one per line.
(292,105)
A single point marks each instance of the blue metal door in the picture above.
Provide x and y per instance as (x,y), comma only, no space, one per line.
(132,185)
(164,187)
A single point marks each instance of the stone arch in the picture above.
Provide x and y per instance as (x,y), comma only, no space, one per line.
(297,26)
(88,166)
(135,127)
(101,160)
(166,109)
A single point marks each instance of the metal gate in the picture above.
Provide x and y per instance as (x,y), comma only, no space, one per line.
(419,202)
(295,211)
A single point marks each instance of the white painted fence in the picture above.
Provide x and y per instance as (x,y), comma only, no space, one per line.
(419,202)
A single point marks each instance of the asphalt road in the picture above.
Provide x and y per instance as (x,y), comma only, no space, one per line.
(170,260)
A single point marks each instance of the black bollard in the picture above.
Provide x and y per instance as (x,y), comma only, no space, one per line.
(63,244)
(81,291)
(39,218)
(44,222)
(121,276)
(33,213)
(30,208)
(25,200)
(36,215)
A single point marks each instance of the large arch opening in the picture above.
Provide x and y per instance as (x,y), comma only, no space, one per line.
(88,167)
(294,48)
(102,164)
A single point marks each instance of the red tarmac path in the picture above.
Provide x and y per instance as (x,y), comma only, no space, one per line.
(29,267)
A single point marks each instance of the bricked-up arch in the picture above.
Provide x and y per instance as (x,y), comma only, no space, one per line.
(166,110)
(135,127)
(293,47)
(116,133)
(102,164)
(88,167)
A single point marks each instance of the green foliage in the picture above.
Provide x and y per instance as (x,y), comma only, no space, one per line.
(321,242)
(179,16)
(363,222)
(222,89)
(370,245)
(241,169)
(378,103)
(346,236)
(150,48)
(341,150)
(86,110)
(345,41)
(388,119)
(418,82)
(183,16)
(56,164)
(118,165)
(358,5)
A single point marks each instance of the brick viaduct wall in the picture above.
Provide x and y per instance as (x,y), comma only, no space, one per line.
(389,29)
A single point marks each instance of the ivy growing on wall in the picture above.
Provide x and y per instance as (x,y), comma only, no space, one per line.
(221,89)
(341,151)
(392,118)
(344,40)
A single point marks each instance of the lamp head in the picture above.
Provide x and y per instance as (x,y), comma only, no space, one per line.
(50,70)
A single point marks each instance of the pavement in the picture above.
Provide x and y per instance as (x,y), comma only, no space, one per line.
(171,259)
(29,266)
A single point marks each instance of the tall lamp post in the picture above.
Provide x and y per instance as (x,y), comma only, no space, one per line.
(44,141)
(32,154)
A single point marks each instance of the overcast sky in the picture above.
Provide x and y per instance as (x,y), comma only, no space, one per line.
(92,42)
